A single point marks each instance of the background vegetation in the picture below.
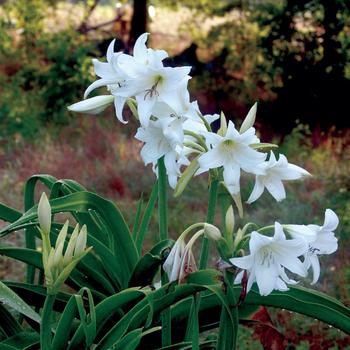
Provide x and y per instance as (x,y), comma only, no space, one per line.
(292,56)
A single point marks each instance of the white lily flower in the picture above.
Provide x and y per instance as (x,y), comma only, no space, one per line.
(148,80)
(233,152)
(275,172)
(164,137)
(172,263)
(110,76)
(268,258)
(321,240)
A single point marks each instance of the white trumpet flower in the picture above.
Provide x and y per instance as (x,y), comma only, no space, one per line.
(274,172)
(269,257)
(321,240)
(233,152)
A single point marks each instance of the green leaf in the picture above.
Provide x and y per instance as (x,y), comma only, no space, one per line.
(9,214)
(8,323)
(135,227)
(88,321)
(146,218)
(11,299)
(106,309)
(124,249)
(148,266)
(21,341)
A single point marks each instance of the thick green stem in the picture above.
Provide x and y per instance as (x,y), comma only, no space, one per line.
(213,191)
(163,234)
(45,325)
(162,200)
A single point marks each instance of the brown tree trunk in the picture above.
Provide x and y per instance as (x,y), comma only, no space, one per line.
(138,21)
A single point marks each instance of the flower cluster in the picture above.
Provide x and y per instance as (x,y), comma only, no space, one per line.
(172,128)
(270,256)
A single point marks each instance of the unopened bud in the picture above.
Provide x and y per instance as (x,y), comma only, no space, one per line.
(223,125)
(249,120)
(212,232)
(230,220)
(58,256)
(71,245)
(44,213)
(81,241)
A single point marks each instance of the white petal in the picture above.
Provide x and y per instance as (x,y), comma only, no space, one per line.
(231,177)
(103,69)
(276,188)
(144,107)
(140,49)
(266,278)
(258,241)
(331,220)
(238,278)
(301,231)
(96,84)
(257,190)
(210,160)
(315,264)
(93,105)
(110,51)
(119,103)
(244,262)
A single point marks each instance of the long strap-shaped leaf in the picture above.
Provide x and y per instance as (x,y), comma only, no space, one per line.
(125,250)
(305,301)
(11,299)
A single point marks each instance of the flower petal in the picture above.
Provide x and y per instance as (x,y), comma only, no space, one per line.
(93,105)
(257,190)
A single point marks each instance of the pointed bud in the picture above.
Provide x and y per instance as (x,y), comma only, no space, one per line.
(230,220)
(93,105)
(81,241)
(58,256)
(212,232)
(249,120)
(44,213)
(68,256)
(223,125)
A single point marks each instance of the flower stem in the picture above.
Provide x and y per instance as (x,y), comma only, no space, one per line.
(163,234)
(162,200)
(213,191)
(45,325)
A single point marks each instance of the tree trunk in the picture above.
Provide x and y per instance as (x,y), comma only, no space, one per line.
(138,21)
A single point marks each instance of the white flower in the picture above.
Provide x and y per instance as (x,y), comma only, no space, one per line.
(110,76)
(268,258)
(275,172)
(172,263)
(321,240)
(234,153)
(148,80)
(164,137)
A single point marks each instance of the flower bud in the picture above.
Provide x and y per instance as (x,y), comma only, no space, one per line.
(223,125)
(81,241)
(58,257)
(212,232)
(249,120)
(230,220)
(71,245)
(44,213)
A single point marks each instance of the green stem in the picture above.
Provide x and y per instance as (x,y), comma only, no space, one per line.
(213,191)
(163,234)
(45,325)
(162,200)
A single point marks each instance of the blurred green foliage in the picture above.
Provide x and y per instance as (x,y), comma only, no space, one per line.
(40,72)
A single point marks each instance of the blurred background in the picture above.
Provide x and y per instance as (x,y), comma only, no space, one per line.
(291,56)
